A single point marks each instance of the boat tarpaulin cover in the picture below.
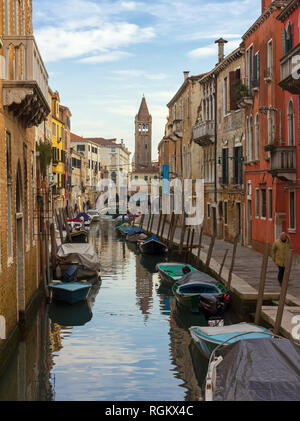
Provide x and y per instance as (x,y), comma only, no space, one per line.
(266,369)
(196,276)
(81,254)
(134,231)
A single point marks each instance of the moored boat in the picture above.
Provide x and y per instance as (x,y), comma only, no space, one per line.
(135,234)
(94,215)
(197,291)
(70,292)
(261,369)
(208,338)
(152,246)
(171,273)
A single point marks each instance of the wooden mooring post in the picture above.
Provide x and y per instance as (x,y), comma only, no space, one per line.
(183,230)
(187,243)
(210,251)
(59,227)
(149,221)
(191,246)
(159,223)
(53,250)
(173,231)
(142,220)
(163,226)
(261,290)
(200,242)
(222,264)
(170,228)
(286,278)
(236,240)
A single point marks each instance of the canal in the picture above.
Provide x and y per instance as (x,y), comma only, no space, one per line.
(130,342)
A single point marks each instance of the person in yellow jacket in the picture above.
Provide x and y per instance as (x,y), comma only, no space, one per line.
(280,251)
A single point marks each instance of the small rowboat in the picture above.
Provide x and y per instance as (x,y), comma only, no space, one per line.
(208,338)
(198,291)
(152,246)
(70,293)
(170,273)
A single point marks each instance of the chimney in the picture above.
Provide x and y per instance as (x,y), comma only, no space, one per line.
(221,42)
(186,75)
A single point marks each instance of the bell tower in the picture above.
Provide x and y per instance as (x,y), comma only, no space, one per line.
(143,137)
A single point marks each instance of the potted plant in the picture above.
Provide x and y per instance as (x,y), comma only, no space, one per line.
(44,151)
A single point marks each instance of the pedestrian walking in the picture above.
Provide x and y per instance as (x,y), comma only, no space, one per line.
(280,251)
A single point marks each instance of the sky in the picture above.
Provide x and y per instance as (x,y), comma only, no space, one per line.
(102,56)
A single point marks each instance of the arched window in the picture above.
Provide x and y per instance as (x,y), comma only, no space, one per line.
(289,37)
(291,123)
(257,138)
(6,17)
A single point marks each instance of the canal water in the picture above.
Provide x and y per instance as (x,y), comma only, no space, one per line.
(130,342)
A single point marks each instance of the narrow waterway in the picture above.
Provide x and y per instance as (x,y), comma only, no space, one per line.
(130,342)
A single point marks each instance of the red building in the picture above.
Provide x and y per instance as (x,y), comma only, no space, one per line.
(290,83)
(263,100)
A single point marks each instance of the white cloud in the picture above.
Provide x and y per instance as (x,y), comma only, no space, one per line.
(103,58)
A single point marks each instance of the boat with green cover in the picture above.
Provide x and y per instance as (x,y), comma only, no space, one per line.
(171,273)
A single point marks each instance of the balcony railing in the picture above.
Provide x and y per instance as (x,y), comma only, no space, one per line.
(25,85)
(290,77)
(204,133)
(283,162)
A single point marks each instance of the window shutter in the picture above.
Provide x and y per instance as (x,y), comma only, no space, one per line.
(232,85)
(225,166)
(258,67)
(255,69)
(236,165)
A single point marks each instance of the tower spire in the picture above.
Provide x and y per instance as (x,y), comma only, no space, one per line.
(143,111)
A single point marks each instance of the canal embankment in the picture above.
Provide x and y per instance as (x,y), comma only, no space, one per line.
(245,274)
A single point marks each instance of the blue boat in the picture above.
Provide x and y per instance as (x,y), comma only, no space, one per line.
(153,246)
(70,292)
(208,338)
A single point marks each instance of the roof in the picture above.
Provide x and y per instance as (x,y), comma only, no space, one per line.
(103,142)
(76,138)
(143,113)
(183,86)
(288,10)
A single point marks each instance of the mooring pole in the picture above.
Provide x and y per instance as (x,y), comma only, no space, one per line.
(191,245)
(210,251)
(261,290)
(236,240)
(163,226)
(222,264)
(200,242)
(159,223)
(287,272)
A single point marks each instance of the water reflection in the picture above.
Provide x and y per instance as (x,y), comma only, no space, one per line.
(127,343)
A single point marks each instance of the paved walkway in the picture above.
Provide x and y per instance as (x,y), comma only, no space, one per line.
(247,263)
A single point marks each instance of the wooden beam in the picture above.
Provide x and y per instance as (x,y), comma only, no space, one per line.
(261,289)
(210,251)
(236,240)
(222,264)
(286,278)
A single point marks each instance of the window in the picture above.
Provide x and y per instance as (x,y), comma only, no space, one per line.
(287,38)
(256,71)
(225,166)
(257,138)
(292,210)
(291,123)
(270,58)
(9,196)
(6,16)
(263,203)
(238,165)
(250,138)
(225,213)
(270,204)
(257,203)
(80,148)
(208,210)
(146,177)
(225,96)
(53,129)
(249,66)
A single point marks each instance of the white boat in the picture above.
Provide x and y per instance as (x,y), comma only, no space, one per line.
(94,214)
(82,255)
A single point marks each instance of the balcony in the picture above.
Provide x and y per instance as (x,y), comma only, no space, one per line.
(289,69)
(204,133)
(283,162)
(25,85)
(177,128)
